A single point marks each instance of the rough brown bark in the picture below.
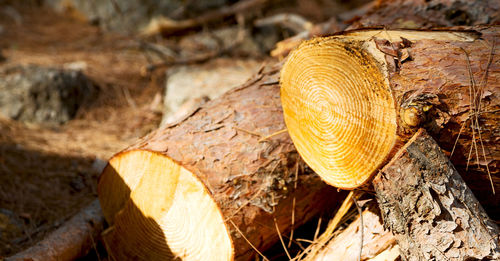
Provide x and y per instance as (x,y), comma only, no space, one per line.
(251,180)
(430,210)
(424,14)
(69,242)
(457,101)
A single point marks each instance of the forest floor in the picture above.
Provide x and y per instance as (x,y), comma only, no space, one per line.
(48,173)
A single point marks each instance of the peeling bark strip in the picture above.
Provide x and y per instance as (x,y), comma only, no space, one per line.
(72,240)
(352,99)
(429,209)
(188,190)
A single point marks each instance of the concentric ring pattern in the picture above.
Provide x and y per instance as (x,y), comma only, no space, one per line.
(338,109)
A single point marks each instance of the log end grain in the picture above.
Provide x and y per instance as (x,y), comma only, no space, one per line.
(338,109)
(159,210)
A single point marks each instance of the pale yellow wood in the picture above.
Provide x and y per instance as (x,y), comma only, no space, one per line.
(169,213)
(339,111)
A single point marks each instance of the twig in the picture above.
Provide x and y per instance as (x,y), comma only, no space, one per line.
(167,26)
(171,61)
(293,22)
(361,224)
(74,234)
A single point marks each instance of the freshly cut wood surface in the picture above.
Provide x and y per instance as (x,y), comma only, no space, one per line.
(352,99)
(213,184)
(430,210)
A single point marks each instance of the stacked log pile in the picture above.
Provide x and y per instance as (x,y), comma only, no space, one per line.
(221,183)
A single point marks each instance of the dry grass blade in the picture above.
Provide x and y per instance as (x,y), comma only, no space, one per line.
(294,202)
(250,243)
(362,227)
(281,239)
(312,250)
(273,134)
(475,97)
(472,110)
(476,116)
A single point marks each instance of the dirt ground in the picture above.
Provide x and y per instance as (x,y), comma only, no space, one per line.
(48,173)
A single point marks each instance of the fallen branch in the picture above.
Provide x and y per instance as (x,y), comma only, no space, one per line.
(72,240)
(166,26)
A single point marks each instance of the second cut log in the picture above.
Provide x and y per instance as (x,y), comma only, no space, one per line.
(212,187)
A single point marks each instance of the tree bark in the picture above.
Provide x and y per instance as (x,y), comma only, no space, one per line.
(430,210)
(247,182)
(364,93)
(422,14)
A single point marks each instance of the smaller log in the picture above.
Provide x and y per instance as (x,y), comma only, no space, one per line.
(345,246)
(214,186)
(429,208)
(69,242)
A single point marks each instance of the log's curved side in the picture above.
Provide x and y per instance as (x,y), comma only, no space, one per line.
(72,240)
(445,81)
(220,176)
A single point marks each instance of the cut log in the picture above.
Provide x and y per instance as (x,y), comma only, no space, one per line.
(398,14)
(345,246)
(352,99)
(430,210)
(211,187)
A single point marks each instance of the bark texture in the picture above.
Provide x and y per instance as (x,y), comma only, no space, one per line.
(69,242)
(452,89)
(250,178)
(425,14)
(429,209)
(444,81)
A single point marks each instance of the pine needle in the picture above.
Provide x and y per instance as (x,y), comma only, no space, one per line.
(250,243)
